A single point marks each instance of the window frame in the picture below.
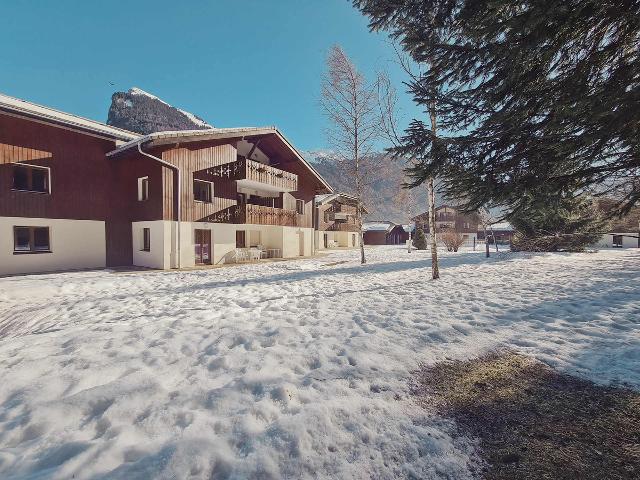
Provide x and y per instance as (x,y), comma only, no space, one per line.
(30,168)
(143,188)
(298,210)
(210,184)
(32,245)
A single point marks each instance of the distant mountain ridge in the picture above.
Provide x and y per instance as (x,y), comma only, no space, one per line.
(386,199)
(141,112)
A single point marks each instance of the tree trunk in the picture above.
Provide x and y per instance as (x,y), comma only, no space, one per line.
(362,259)
(486,243)
(435,270)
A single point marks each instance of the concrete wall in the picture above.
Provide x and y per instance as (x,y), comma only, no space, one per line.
(606,241)
(160,254)
(344,239)
(75,244)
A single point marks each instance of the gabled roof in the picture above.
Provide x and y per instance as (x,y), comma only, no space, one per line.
(186,136)
(338,196)
(379,226)
(40,113)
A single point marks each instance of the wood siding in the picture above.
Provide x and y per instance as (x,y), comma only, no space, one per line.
(85,183)
(202,161)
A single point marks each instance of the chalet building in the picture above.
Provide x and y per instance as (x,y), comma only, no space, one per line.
(448,218)
(75,193)
(501,233)
(384,233)
(335,221)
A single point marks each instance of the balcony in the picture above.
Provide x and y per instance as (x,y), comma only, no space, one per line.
(259,215)
(343,227)
(256,175)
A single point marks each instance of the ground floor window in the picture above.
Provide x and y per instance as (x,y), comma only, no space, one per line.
(353,240)
(31,240)
(146,239)
(617,241)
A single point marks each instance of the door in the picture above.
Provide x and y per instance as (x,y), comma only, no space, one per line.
(326,240)
(203,247)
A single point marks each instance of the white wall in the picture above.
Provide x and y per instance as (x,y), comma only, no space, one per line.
(343,239)
(606,241)
(75,244)
(160,253)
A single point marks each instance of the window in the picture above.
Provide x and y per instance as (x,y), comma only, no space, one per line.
(31,240)
(617,241)
(300,207)
(146,239)
(143,189)
(202,191)
(28,178)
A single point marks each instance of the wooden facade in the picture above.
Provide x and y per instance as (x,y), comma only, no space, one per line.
(448,218)
(337,214)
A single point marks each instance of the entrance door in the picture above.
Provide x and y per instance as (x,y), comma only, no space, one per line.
(203,247)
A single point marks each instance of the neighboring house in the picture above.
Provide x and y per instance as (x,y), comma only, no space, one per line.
(75,193)
(384,233)
(502,231)
(335,221)
(623,232)
(448,218)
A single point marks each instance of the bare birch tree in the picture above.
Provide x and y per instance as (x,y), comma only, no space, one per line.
(387,101)
(351,104)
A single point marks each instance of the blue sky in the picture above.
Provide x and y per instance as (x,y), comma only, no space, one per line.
(233,63)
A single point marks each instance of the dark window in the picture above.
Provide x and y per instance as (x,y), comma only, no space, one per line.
(240,239)
(617,241)
(31,179)
(202,191)
(300,207)
(146,239)
(31,239)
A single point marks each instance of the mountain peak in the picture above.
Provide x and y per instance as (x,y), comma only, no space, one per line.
(142,112)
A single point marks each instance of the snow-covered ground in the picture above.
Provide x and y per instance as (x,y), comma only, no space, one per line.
(286,370)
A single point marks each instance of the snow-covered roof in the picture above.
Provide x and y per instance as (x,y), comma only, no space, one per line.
(26,109)
(502,227)
(377,226)
(329,197)
(185,136)
(409,227)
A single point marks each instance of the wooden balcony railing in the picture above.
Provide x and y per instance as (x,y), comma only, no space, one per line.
(348,209)
(244,169)
(343,227)
(259,215)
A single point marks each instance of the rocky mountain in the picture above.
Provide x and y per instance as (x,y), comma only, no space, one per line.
(385,198)
(141,112)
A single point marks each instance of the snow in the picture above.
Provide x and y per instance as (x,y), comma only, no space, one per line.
(376,226)
(294,369)
(194,119)
(140,92)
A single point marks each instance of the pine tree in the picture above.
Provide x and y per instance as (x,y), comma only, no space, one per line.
(420,240)
(529,93)
(556,223)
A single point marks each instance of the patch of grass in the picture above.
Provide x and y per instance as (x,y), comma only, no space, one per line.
(534,422)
